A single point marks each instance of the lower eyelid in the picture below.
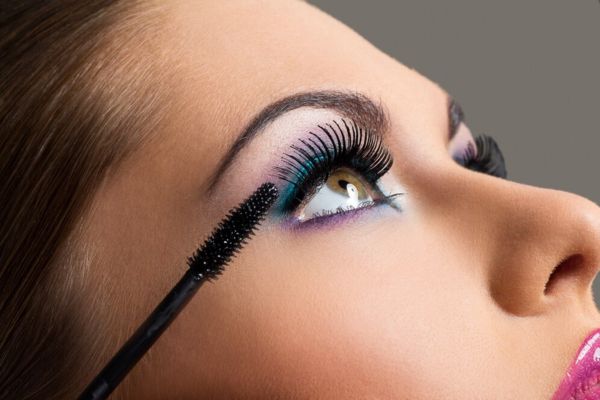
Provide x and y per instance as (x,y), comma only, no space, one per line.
(330,221)
(343,218)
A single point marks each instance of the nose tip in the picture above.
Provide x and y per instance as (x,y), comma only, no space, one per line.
(556,254)
(585,245)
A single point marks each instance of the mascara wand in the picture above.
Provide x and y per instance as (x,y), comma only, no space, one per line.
(207,263)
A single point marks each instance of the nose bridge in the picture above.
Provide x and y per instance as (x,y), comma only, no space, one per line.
(537,243)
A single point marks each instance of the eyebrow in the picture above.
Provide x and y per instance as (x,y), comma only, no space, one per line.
(353,105)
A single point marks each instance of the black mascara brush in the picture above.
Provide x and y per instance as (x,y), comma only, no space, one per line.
(207,262)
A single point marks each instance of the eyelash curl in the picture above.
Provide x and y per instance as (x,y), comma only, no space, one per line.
(485,156)
(310,162)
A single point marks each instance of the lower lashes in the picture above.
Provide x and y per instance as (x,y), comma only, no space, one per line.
(335,218)
(342,210)
(364,204)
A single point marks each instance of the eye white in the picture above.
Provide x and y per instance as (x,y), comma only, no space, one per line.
(328,200)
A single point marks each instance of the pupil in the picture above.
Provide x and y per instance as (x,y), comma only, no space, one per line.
(343,183)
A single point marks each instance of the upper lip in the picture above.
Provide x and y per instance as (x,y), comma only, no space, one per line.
(582,380)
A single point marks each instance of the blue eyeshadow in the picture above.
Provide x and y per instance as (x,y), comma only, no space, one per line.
(290,191)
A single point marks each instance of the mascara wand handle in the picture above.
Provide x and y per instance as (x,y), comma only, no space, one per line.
(143,338)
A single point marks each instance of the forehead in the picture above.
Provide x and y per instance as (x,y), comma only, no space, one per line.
(232,58)
(239,55)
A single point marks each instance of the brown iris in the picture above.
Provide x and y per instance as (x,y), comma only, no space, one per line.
(340,180)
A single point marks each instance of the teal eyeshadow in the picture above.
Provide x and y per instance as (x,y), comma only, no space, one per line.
(288,193)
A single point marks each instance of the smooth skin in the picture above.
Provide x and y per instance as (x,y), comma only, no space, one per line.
(444,300)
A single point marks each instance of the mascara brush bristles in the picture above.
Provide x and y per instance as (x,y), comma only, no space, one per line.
(232,233)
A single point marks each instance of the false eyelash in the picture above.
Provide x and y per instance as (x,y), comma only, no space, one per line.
(312,159)
(487,158)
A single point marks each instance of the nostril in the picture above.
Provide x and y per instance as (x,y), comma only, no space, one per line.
(568,270)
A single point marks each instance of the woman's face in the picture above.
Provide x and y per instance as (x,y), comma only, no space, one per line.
(442,291)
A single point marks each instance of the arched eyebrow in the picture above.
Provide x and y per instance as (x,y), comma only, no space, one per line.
(353,105)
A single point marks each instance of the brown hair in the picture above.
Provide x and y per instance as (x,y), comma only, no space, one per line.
(74,101)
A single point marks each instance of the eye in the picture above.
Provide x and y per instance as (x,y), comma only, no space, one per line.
(481,154)
(485,156)
(336,171)
(343,191)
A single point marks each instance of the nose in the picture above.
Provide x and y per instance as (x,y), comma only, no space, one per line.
(547,248)
(541,247)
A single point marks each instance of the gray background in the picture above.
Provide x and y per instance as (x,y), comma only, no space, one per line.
(525,72)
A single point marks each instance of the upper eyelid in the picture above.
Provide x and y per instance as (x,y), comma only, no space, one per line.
(456,116)
(344,102)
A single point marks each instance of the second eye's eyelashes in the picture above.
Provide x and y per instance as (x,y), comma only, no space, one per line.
(485,156)
(313,159)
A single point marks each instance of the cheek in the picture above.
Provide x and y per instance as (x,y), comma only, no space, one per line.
(343,312)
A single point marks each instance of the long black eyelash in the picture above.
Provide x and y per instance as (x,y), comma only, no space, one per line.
(310,162)
(487,159)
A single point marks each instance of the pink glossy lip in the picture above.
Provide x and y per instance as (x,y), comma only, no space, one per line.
(582,381)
